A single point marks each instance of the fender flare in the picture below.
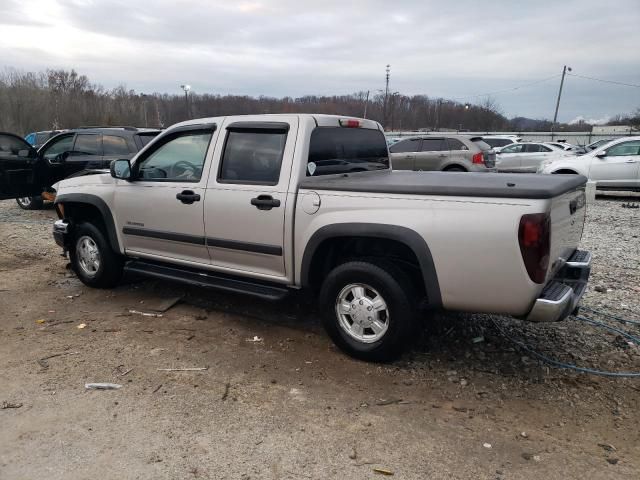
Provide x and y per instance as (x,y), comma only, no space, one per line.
(410,238)
(102,207)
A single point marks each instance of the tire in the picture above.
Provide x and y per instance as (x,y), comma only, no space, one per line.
(454,169)
(90,244)
(30,203)
(398,319)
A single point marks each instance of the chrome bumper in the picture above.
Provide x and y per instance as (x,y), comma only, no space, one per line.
(61,229)
(560,297)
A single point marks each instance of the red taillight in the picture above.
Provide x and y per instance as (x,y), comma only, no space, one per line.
(478,158)
(349,123)
(534,236)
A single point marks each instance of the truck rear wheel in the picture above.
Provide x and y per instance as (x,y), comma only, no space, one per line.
(92,258)
(368,309)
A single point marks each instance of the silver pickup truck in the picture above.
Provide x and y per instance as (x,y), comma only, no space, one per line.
(267,204)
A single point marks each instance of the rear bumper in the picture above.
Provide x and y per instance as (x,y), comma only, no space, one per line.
(560,297)
(61,232)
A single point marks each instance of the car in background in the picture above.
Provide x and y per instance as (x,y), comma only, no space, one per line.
(451,153)
(563,145)
(614,165)
(37,139)
(82,151)
(525,157)
(393,140)
(497,141)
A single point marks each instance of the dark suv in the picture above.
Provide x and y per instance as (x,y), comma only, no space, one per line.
(87,150)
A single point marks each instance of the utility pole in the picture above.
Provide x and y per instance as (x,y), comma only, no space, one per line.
(186,89)
(438,105)
(555,115)
(386,97)
(366,104)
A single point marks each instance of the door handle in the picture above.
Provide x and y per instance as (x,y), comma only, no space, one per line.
(188,197)
(265,202)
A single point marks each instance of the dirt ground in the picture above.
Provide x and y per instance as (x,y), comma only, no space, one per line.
(278,401)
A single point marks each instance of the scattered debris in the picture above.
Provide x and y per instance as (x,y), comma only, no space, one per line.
(354,454)
(479,339)
(185,369)
(227,386)
(82,325)
(102,386)
(600,288)
(41,321)
(162,304)
(383,471)
(6,405)
(607,446)
(487,445)
(146,314)
(392,401)
(126,372)
(43,361)
(630,205)
(254,339)
(524,435)
(531,456)
(612,460)
(157,388)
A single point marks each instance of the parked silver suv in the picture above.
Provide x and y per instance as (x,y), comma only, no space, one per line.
(451,153)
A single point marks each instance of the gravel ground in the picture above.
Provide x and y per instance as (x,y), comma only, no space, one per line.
(465,402)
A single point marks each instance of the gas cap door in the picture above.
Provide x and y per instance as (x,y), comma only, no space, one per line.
(311,202)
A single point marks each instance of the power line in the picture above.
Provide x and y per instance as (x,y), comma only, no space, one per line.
(604,81)
(510,89)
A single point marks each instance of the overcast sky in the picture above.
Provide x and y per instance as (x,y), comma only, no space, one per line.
(451,49)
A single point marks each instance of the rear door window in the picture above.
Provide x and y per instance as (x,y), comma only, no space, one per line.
(434,144)
(88,144)
(114,145)
(343,150)
(252,157)
(409,145)
(455,144)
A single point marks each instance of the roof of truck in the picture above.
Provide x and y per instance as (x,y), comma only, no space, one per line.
(318,117)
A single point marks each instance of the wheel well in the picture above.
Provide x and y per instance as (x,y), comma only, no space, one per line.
(566,171)
(334,251)
(84,212)
(454,167)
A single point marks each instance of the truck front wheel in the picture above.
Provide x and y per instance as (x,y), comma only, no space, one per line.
(93,260)
(368,309)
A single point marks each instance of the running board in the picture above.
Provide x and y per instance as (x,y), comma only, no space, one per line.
(205,279)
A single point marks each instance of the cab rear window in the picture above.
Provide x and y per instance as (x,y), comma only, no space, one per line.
(346,150)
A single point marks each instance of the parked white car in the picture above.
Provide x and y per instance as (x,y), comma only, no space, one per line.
(613,165)
(525,156)
(563,145)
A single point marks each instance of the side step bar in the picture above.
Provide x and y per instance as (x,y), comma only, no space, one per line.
(205,279)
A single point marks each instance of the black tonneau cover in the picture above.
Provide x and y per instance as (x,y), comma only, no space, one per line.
(500,185)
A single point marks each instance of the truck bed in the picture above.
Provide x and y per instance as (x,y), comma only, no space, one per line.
(500,185)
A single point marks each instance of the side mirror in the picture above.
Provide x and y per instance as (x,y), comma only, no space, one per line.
(601,154)
(121,169)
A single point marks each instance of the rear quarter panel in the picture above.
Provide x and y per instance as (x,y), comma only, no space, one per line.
(473,242)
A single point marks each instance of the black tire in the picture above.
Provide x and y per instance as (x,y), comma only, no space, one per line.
(109,271)
(30,203)
(454,169)
(396,289)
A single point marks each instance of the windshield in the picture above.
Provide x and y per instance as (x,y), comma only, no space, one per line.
(344,150)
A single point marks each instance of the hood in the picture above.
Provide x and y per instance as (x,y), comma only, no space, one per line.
(90,177)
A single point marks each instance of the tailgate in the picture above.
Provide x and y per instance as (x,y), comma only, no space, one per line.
(567,221)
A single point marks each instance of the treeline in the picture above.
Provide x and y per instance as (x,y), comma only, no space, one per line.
(56,99)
